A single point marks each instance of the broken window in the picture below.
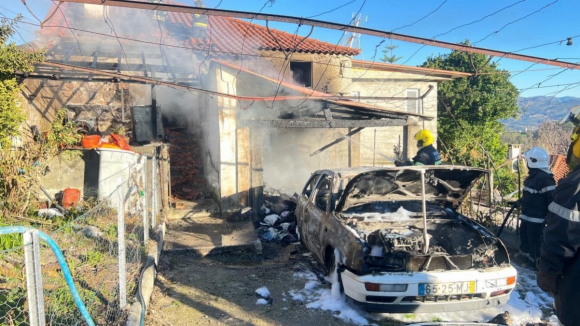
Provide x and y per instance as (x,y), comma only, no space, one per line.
(310,185)
(302,72)
(413,100)
(323,193)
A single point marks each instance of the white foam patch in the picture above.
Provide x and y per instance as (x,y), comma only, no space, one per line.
(400,215)
(261,301)
(263,292)
(524,305)
(310,285)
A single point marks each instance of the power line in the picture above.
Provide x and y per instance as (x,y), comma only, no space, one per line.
(422,18)
(481,19)
(517,20)
(332,10)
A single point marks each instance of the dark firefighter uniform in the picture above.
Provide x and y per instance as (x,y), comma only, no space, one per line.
(427,154)
(537,195)
(559,265)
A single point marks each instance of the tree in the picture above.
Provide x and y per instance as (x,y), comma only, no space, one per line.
(12,59)
(388,55)
(469,108)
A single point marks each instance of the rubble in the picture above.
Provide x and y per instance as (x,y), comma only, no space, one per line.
(280,225)
(187,178)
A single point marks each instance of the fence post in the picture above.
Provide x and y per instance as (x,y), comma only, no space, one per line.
(154,191)
(145,220)
(33,278)
(122,253)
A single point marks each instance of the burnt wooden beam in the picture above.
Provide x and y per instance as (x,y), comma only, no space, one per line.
(336,123)
(336,141)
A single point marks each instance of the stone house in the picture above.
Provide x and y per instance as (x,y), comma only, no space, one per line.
(269,106)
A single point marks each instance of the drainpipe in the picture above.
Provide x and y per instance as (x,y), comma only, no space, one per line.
(425,235)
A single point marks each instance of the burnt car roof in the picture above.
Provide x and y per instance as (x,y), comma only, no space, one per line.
(447,183)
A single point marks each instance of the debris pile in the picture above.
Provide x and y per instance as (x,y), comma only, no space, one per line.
(279,223)
(187,179)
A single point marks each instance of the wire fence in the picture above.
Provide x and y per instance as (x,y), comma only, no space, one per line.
(104,243)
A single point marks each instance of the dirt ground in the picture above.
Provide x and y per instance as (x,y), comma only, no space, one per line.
(220,290)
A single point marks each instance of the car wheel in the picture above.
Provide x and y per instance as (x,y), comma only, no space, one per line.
(331,267)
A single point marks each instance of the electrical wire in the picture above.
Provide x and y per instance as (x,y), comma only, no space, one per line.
(515,21)
(332,10)
(422,18)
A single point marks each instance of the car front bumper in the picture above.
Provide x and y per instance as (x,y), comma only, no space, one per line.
(486,294)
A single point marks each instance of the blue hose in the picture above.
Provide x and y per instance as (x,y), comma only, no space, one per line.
(60,257)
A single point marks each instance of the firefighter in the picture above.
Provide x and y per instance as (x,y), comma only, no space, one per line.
(538,188)
(559,264)
(427,154)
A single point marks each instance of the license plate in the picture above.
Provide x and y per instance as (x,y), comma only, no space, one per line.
(446,288)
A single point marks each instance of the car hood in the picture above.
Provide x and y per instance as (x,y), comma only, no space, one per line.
(449,184)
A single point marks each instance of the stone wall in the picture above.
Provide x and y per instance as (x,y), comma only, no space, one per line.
(99,101)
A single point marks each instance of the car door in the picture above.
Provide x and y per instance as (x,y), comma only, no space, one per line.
(301,207)
(316,213)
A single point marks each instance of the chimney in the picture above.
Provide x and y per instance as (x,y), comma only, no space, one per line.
(514,150)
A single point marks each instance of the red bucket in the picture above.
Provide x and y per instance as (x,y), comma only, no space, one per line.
(70,197)
(91,141)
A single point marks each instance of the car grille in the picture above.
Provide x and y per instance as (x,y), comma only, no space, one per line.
(374,298)
(437,298)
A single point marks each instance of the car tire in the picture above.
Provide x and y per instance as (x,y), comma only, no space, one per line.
(331,265)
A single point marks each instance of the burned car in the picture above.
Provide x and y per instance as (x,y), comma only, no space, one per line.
(396,240)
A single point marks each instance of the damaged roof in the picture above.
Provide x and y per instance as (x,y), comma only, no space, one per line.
(316,95)
(408,69)
(224,34)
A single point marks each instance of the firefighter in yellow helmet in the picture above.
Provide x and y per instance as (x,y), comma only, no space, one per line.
(427,154)
(559,263)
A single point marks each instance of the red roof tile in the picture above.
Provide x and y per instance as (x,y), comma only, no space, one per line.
(558,166)
(225,34)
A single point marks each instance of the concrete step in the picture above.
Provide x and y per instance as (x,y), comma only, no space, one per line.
(198,228)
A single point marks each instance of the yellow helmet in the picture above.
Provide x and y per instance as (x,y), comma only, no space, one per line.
(424,138)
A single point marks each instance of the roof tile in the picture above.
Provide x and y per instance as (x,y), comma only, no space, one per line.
(559,167)
(225,33)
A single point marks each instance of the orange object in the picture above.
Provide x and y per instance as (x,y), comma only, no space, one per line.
(119,141)
(91,141)
(70,197)
(109,145)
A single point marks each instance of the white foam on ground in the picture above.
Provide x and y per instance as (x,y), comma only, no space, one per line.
(261,301)
(524,305)
(263,292)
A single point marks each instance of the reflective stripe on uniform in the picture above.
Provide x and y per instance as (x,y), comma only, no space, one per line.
(541,191)
(532,219)
(437,162)
(418,163)
(563,212)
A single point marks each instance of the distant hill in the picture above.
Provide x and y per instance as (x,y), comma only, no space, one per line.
(538,109)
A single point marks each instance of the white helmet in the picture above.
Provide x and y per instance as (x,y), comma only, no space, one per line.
(537,158)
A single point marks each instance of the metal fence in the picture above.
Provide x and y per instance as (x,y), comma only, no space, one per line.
(104,244)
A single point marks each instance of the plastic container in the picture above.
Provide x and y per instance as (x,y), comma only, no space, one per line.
(114,173)
(70,197)
(91,141)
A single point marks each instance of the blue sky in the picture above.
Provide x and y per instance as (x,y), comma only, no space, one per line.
(520,24)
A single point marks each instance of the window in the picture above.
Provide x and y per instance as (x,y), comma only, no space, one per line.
(323,193)
(413,105)
(310,185)
(302,72)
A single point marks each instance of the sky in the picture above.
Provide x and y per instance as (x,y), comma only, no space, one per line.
(532,27)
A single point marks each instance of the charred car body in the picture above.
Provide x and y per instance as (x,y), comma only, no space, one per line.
(397,241)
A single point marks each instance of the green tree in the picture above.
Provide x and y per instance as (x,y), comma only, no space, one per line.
(388,55)
(12,59)
(469,108)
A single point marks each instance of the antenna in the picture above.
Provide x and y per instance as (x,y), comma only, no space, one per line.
(350,39)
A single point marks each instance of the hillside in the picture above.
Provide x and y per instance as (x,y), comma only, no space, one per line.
(538,109)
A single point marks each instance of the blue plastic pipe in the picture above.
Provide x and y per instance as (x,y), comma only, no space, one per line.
(60,257)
